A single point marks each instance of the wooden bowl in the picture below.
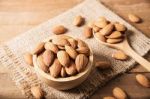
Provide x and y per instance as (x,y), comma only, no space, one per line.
(63,83)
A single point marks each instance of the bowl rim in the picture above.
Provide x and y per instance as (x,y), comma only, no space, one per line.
(60,79)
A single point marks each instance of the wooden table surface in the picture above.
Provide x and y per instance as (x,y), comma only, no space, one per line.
(17,16)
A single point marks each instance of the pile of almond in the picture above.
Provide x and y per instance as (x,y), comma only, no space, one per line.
(62,57)
(109,32)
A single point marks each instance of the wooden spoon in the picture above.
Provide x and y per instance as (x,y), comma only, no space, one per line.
(125,47)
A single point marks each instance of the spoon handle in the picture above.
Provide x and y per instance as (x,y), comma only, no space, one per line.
(129,51)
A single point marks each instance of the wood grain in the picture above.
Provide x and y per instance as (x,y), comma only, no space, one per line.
(17,16)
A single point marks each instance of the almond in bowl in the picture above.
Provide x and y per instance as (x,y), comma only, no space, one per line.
(64,62)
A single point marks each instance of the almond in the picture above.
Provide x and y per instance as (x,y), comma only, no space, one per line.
(78,20)
(114,41)
(120,27)
(41,64)
(100,37)
(63,72)
(88,33)
(101,24)
(48,57)
(37,92)
(96,29)
(28,58)
(134,18)
(102,18)
(81,62)
(143,80)
(39,48)
(71,69)
(81,43)
(109,97)
(119,93)
(102,64)
(61,47)
(83,50)
(72,42)
(120,55)
(60,29)
(51,46)
(60,41)
(107,30)
(55,68)
(114,35)
(91,24)
(72,52)
(63,58)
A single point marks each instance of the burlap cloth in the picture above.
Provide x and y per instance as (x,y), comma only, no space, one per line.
(11,52)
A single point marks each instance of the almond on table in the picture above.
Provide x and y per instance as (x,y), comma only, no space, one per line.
(134,18)
(102,64)
(88,33)
(143,80)
(60,29)
(78,20)
(119,93)
(37,92)
(28,58)
(120,55)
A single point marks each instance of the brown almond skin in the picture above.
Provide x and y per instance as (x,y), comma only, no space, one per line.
(109,97)
(96,29)
(39,48)
(48,57)
(63,72)
(51,46)
(101,24)
(100,37)
(120,27)
(134,18)
(41,64)
(81,43)
(83,50)
(28,58)
(102,64)
(114,41)
(60,41)
(71,51)
(78,20)
(71,69)
(81,62)
(143,80)
(115,35)
(119,93)
(55,69)
(88,33)
(119,55)
(60,29)
(107,30)
(73,42)
(63,58)
(37,92)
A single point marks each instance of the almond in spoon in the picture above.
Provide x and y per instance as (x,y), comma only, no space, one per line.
(120,27)
(100,37)
(143,80)
(114,35)
(107,29)
(114,41)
